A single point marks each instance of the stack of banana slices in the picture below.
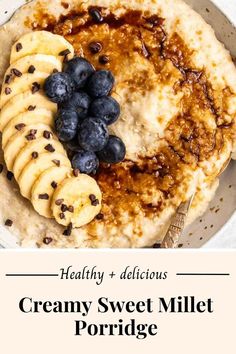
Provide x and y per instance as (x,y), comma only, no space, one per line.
(31,149)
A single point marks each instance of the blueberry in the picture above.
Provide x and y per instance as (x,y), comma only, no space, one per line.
(59,87)
(73,146)
(80,102)
(93,134)
(80,69)
(100,83)
(106,108)
(66,124)
(85,161)
(114,151)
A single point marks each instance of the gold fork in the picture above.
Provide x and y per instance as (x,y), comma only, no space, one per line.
(178,221)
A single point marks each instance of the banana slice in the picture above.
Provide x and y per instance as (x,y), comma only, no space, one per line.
(32,150)
(37,158)
(28,118)
(34,168)
(32,63)
(77,200)
(44,188)
(19,140)
(27,82)
(41,42)
(22,103)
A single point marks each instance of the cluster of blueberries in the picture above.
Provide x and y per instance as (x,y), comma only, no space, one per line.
(85,111)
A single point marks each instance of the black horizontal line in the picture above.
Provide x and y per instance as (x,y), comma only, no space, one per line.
(31,275)
(205,274)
